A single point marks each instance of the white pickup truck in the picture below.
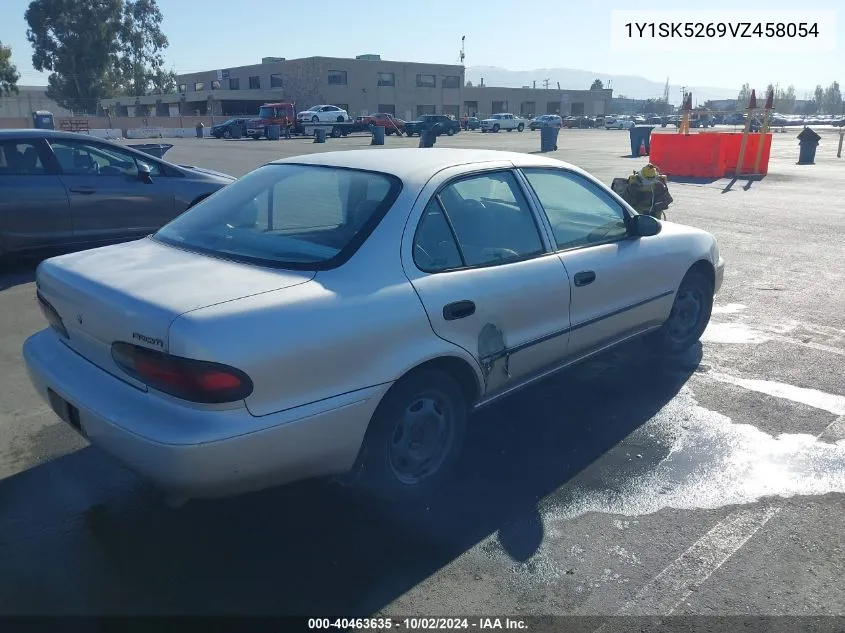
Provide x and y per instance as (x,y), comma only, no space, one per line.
(503,121)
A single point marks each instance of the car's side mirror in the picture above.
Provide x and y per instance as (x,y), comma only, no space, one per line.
(646,225)
(145,174)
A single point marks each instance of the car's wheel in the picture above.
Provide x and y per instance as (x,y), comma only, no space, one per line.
(496,128)
(450,132)
(689,316)
(340,119)
(315,119)
(227,133)
(409,133)
(414,438)
(520,128)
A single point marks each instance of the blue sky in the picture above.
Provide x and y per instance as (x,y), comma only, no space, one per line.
(514,35)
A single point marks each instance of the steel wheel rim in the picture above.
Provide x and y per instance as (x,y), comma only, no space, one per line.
(421,438)
(227,134)
(685,315)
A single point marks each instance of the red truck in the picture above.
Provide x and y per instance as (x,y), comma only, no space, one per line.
(282,113)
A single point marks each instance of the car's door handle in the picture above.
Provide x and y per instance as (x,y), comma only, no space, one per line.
(458,310)
(85,190)
(585,278)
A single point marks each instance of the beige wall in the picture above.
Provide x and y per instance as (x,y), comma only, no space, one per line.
(525,101)
(27,100)
(120,123)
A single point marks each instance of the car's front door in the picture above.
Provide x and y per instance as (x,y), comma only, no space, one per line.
(34,207)
(488,279)
(621,285)
(109,199)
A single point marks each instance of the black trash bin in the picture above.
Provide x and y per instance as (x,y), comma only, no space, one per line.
(237,130)
(153,149)
(320,135)
(640,135)
(428,138)
(548,138)
(808,141)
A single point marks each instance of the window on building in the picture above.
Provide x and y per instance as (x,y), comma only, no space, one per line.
(528,108)
(337,77)
(234,83)
(199,86)
(386,79)
(454,110)
(470,106)
(255,83)
(500,106)
(577,108)
(387,108)
(451,81)
(426,81)
(183,87)
(425,109)
(553,107)
(215,85)
(276,80)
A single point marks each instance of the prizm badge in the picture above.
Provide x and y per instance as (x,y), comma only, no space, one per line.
(148,339)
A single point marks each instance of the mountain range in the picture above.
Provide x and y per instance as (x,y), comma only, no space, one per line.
(573,79)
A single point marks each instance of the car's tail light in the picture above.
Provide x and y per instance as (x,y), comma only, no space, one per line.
(51,314)
(185,378)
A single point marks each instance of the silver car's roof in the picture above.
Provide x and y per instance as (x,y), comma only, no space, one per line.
(415,164)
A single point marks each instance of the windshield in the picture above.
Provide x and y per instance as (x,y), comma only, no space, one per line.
(265,112)
(288,216)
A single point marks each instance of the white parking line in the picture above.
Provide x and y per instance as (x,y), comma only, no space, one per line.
(673,585)
(811,397)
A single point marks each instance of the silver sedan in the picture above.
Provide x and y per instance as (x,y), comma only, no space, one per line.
(343,313)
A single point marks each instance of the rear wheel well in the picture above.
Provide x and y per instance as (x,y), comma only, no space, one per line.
(458,369)
(705,269)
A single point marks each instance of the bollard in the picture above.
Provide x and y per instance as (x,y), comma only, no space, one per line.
(839,151)
(320,135)
(378,135)
(428,138)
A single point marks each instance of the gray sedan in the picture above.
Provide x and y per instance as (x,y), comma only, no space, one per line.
(64,189)
(342,313)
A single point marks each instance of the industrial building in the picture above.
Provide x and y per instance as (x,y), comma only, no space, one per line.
(361,85)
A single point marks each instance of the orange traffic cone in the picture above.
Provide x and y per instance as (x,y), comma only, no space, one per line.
(643,151)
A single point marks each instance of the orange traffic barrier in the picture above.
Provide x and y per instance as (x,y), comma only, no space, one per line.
(707,154)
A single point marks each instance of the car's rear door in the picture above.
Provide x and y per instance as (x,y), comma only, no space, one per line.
(34,207)
(108,199)
(621,285)
(482,265)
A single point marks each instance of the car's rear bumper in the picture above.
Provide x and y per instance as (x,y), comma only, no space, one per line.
(209,452)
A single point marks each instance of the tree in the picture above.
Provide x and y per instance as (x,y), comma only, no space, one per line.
(597,85)
(833,99)
(8,72)
(77,41)
(744,96)
(785,100)
(818,98)
(140,63)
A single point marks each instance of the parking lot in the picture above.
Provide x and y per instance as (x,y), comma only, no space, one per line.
(710,484)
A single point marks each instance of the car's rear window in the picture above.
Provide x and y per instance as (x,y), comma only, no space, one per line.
(290,216)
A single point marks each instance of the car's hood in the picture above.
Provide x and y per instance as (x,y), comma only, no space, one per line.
(210,172)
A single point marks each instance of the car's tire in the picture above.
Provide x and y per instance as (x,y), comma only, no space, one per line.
(340,119)
(227,133)
(409,133)
(424,402)
(496,128)
(520,128)
(689,317)
(315,119)
(450,132)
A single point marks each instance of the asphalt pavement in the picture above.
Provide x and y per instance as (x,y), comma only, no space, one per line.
(711,484)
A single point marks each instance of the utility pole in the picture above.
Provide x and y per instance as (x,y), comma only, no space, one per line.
(546,83)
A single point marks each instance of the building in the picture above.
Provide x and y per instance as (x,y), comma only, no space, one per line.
(28,100)
(362,85)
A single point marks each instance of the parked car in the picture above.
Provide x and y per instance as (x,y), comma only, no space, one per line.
(545,120)
(470,123)
(65,189)
(391,124)
(618,123)
(323,114)
(440,123)
(207,357)
(224,130)
(503,121)
(579,122)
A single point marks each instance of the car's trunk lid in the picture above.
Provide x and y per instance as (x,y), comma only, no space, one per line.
(133,292)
